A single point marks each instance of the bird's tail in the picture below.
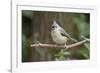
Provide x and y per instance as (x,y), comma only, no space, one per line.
(74,40)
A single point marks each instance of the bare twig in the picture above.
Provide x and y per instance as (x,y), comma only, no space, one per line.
(85,38)
(59,46)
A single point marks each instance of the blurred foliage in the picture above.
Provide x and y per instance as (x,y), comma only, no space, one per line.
(26,34)
(36,26)
(25,48)
(62,55)
(82,21)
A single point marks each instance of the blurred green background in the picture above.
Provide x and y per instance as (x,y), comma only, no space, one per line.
(36,27)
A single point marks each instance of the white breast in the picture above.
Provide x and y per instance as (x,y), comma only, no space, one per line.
(57,37)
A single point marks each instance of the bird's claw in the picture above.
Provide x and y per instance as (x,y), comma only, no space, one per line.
(65,46)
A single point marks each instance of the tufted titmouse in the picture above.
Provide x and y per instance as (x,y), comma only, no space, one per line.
(59,35)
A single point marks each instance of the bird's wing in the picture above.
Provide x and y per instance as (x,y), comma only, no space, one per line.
(64,33)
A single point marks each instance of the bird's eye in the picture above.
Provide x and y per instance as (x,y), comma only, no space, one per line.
(53,27)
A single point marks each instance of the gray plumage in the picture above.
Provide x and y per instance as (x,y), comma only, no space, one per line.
(64,33)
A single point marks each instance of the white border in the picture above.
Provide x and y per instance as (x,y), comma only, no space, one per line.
(17,64)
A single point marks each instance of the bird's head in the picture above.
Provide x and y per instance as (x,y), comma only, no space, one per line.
(55,25)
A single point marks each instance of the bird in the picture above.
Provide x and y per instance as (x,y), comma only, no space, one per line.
(59,35)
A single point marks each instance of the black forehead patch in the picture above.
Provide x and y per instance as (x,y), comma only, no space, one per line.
(58,22)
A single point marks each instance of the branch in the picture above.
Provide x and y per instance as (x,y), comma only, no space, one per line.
(85,38)
(60,46)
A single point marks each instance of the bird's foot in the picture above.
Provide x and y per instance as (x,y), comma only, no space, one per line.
(65,46)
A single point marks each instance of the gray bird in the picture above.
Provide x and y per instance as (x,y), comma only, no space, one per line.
(59,35)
